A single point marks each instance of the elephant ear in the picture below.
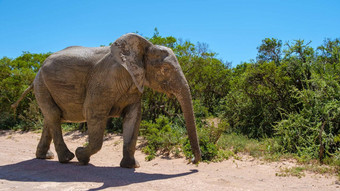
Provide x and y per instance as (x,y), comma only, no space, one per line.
(129,51)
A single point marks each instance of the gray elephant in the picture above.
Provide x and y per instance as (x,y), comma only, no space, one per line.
(81,84)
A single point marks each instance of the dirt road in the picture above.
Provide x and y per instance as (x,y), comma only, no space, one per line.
(19,170)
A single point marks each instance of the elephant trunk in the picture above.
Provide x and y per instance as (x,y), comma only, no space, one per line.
(184,98)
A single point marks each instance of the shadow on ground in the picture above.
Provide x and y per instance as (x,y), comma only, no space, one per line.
(36,170)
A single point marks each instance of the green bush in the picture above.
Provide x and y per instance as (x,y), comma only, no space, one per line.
(161,136)
(201,112)
(115,125)
(291,96)
(164,137)
(15,76)
(208,149)
(208,137)
(258,94)
(314,131)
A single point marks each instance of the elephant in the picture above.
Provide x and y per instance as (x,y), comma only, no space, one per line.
(92,84)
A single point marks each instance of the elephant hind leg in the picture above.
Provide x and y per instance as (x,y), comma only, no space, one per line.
(52,127)
(53,123)
(43,149)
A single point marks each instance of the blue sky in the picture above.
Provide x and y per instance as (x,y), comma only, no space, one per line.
(233,29)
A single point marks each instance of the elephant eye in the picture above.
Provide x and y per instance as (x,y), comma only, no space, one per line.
(165,70)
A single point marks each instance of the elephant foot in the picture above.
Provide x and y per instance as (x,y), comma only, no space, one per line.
(65,157)
(82,157)
(129,163)
(47,155)
(195,160)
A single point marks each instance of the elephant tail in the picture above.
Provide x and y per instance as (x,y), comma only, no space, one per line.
(15,105)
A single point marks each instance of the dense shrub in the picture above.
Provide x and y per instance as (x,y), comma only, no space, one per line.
(315,129)
(15,76)
(161,136)
(208,136)
(164,138)
(257,96)
(290,94)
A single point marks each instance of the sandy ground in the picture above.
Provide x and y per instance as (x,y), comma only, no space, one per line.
(19,170)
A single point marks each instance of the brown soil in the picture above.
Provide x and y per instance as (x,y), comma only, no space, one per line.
(19,170)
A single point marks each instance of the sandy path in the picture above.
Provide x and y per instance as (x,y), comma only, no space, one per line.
(20,171)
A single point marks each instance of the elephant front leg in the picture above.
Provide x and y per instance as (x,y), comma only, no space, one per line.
(96,127)
(131,125)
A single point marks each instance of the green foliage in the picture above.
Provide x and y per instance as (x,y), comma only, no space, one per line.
(256,98)
(164,137)
(270,50)
(69,127)
(15,76)
(293,171)
(115,125)
(291,95)
(161,136)
(299,171)
(208,137)
(329,52)
(201,112)
(314,130)
(209,150)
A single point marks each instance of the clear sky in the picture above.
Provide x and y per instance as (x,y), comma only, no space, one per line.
(232,28)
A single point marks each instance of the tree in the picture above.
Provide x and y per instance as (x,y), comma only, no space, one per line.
(298,59)
(329,51)
(15,76)
(270,50)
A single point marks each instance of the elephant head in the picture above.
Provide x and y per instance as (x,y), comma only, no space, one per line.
(157,67)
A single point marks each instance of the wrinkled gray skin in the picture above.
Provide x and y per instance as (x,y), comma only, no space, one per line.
(81,84)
